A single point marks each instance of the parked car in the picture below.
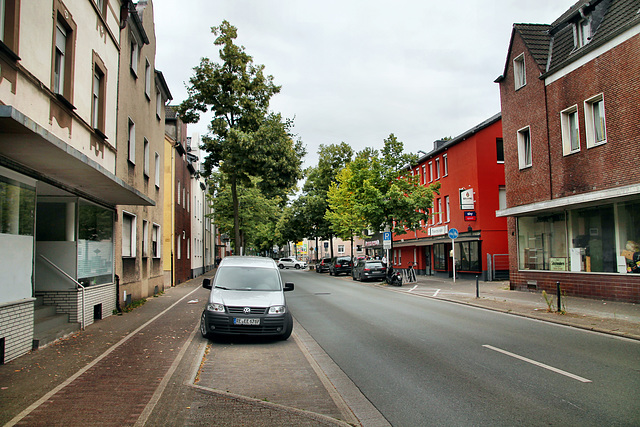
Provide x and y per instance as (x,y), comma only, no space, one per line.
(323,265)
(369,269)
(291,263)
(340,264)
(247,298)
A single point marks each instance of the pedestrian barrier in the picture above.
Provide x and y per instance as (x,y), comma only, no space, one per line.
(409,275)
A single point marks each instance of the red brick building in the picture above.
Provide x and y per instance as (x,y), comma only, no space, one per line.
(470,170)
(570,96)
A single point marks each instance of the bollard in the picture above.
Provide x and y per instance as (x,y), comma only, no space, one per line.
(477,288)
(559,296)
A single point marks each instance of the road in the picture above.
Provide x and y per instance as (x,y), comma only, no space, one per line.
(422,361)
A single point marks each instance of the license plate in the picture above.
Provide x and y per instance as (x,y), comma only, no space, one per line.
(244,321)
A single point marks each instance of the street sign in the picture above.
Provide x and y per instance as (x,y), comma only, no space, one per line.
(386,240)
(453,233)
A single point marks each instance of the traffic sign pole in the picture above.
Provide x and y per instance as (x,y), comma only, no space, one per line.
(453,234)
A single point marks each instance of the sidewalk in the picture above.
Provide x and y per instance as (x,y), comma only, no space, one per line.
(618,318)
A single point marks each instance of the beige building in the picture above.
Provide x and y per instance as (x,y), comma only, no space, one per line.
(59,189)
(139,163)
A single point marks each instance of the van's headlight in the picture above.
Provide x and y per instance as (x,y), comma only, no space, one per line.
(277,309)
(218,308)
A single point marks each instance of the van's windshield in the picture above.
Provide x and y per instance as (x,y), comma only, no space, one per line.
(247,279)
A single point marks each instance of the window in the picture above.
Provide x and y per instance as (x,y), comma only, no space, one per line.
(98,94)
(135,56)
(100,4)
(439,257)
(95,244)
(424,174)
(132,142)
(146,157)
(158,104)
(340,249)
(502,197)
(430,171)
(145,238)
(445,163)
(155,241)
(188,249)
(128,235)
(17,207)
(582,33)
(438,168)
(448,209)
(524,148)
(439,211)
(59,59)
(570,130)
(147,79)
(595,124)
(179,248)
(519,74)
(9,26)
(468,256)
(157,171)
(178,192)
(500,150)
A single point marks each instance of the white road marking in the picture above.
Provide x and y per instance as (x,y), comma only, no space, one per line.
(542,365)
(412,289)
(437,292)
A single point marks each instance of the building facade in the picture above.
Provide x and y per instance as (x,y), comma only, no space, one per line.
(177,212)
(58,185)
(140,142)
(470,170)
(570,104)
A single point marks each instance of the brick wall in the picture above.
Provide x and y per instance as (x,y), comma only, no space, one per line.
(617,162)
(614,287)
(521,108)
(16,327)
(70,302)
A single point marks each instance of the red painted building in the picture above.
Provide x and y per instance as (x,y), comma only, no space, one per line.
(470,170)
(570,98)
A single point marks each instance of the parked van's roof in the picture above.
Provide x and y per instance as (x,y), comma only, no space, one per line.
(248,261)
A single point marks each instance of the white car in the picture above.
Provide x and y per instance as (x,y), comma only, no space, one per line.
(291,262)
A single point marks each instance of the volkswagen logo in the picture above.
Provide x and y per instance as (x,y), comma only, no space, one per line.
(247,310)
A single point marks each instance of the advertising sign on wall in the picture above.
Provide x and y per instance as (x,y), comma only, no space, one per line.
(466,199)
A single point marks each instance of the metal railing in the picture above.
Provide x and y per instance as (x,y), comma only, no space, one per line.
(78,285)
(498,267)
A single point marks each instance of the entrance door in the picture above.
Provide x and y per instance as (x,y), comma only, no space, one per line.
(427,261)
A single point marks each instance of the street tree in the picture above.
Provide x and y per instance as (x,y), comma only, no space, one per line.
(245,140)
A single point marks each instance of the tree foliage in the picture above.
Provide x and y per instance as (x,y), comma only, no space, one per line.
(245,140)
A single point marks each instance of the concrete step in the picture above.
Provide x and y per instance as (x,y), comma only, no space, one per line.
(42,311)
(50,328)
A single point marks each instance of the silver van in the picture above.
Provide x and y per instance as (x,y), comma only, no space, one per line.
(247,298)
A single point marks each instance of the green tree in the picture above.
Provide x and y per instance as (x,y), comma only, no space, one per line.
(245,140)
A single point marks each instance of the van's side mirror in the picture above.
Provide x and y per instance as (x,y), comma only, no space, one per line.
(206,283)
(288,286)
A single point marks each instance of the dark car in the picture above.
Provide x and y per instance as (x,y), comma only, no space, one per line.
(369,269)
(247,298)
(323,265)
(339,265)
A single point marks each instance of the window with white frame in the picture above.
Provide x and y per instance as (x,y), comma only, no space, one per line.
(340,249)
(132,141)
(128,235)
(502,197)
(147,79)
(424,174)
(155,241)
(439,211)
(438,168)
(135,56)
(146,158)
(524,148)
(9,24)
(582,33)
(448,209)
(178,192)
(145,238)
(594,119)
(519,71)
(157,171)
(158,104)
(570,130)
(445,164)
(430,171)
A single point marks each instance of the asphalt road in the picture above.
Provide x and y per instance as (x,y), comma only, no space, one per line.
(422,361)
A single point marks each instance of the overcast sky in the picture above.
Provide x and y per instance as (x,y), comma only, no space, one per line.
(356,71)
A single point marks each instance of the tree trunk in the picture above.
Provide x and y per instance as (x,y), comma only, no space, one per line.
(236,217)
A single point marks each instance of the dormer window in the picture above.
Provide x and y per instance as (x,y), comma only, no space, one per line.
(582,33)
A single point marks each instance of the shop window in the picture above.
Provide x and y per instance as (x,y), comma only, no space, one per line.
(95,244)
(629,237)
(592,240)
(542,243)
(439,257)
(17,202)
(468,256)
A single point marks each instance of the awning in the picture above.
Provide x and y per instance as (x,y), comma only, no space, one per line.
(33,150)
(429,241)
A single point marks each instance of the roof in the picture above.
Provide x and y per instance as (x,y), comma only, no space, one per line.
(552,46)
(248,261)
